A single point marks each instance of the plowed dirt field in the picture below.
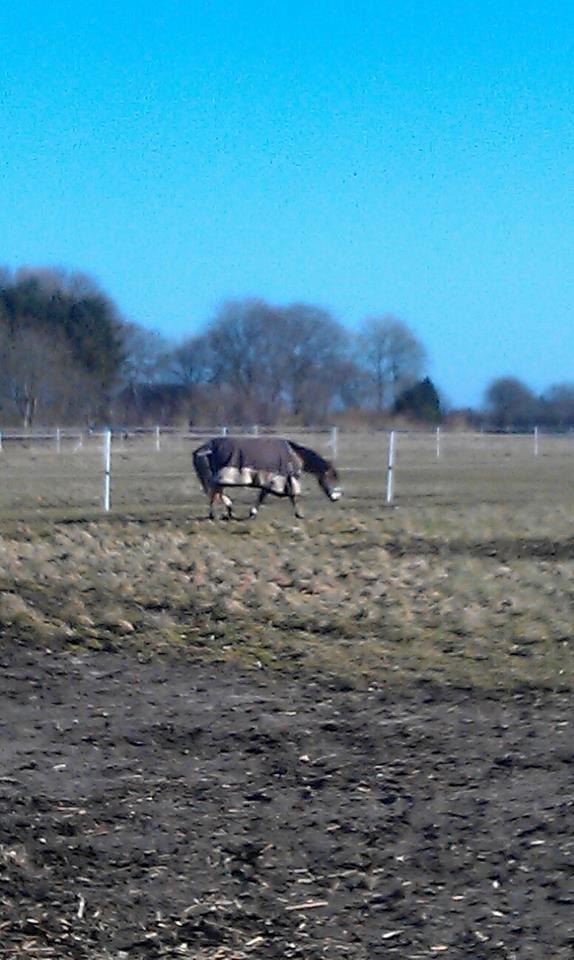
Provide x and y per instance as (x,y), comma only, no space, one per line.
(170,809)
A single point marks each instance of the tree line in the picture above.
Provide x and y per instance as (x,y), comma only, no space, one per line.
(67,356)
(511,404)
(61,348)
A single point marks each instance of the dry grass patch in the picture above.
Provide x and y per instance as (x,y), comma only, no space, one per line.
(363,598)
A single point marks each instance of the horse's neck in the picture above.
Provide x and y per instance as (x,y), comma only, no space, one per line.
(311,462)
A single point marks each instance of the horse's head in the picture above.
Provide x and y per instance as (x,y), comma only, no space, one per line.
(312,462)
(329,483)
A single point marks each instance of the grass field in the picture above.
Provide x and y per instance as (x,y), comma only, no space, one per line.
(467,577)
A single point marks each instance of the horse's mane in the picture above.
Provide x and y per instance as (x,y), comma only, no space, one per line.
(312,460)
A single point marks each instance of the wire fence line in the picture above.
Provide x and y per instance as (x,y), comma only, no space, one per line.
(66,468)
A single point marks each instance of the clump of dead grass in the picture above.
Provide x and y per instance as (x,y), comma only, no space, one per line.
(364,598)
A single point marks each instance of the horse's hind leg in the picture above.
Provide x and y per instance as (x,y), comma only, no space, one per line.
(254,509)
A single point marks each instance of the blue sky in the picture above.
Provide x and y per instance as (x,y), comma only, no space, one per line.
(411,158)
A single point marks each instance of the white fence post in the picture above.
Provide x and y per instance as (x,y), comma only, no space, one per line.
(107,468)
(58,440)
(255,430)
(224,431)
(157,439)
(334,442)
(438,443)
(390,467)
(535,441)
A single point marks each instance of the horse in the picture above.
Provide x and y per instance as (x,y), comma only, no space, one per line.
(270,464)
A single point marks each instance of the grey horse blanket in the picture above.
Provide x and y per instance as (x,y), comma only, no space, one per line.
(269,463)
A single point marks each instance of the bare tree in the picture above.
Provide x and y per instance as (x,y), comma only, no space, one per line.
(510,403)
(247,346)
(145,365)
(559,404)
(191,363)
(41,377)
(5,397)
(392,357)
(316,360)
(277,359)
(145,354)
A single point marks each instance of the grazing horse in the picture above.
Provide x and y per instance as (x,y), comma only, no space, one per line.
(270,464)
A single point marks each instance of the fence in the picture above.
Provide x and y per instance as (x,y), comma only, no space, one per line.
(73,469)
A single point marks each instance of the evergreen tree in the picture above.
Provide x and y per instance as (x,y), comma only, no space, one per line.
(421,401)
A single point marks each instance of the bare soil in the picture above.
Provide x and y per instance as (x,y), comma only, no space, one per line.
(177,809)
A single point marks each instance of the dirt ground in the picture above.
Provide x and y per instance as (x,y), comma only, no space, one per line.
(168,809)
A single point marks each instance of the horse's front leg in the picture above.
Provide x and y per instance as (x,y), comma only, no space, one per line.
(228,502)
(218,496)
(296,508)
(214,497)
(254,509)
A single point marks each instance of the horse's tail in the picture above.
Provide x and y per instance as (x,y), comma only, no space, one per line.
(202,466)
